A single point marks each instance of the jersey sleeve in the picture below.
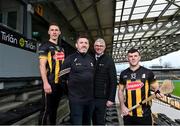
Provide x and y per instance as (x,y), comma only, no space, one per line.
(152,77)
(121,80)
(43,51)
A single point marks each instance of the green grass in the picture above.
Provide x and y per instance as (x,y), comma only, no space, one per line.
(176,91)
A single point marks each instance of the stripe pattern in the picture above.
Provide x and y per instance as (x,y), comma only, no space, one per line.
(137,84)
(55,58)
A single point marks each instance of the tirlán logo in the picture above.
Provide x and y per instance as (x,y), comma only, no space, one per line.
(134,85)
(14,39)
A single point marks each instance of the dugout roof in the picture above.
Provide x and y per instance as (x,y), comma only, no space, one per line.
(152,26)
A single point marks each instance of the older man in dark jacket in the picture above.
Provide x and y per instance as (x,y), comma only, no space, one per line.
(105,82)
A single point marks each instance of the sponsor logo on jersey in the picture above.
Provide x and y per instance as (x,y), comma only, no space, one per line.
(134,85)
(59,56)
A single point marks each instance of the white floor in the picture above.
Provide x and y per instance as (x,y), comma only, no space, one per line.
(160,107)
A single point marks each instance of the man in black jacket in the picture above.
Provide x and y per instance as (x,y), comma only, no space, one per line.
(80,83)
(105,81)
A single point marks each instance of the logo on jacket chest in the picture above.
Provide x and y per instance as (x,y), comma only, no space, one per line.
(101,64)
(80,64)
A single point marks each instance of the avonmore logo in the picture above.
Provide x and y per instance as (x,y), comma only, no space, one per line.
(59,56)
(134,85)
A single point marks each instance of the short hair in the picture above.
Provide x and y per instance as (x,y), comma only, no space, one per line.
(100,40)
(133,50)
(81,36)
(54,23)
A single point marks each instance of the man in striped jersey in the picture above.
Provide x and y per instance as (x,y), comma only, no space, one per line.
(137,81)
(51,57)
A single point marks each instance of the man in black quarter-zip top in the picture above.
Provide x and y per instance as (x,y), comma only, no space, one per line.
(80,83)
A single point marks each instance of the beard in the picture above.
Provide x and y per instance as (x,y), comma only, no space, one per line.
(83,50)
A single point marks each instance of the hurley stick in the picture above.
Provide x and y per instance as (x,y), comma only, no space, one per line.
(166,88)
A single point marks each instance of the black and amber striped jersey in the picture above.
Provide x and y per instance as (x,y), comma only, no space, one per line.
(137,85)
(55,57)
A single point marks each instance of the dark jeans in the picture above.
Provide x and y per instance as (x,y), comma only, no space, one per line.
(99,112)
(81,112)
(50,103)
(133,120)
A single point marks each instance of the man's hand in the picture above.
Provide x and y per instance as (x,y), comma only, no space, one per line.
(109,103)
(159,94)
(47,88)
(124,110)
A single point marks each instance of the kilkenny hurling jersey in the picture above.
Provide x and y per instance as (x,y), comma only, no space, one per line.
(137,85)
(55,57)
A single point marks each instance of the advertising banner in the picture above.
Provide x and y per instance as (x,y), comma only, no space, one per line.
(12,38)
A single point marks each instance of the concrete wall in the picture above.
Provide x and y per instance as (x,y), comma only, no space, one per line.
(15,62)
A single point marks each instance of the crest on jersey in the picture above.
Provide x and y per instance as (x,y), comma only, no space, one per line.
(133,76)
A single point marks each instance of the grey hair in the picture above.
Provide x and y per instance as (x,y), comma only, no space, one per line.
(100,40)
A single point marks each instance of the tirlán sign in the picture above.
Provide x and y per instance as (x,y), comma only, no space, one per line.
(12,38)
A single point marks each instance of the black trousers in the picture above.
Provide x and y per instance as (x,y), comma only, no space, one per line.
(99,112)
(133,120)
(81,112)
(50,104)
